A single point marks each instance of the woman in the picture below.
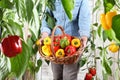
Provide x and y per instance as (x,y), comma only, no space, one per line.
(79,27)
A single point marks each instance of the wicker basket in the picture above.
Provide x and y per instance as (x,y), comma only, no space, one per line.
(64,60)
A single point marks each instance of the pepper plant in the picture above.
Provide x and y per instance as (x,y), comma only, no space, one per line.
(106,34)
(108,31)
(23,18)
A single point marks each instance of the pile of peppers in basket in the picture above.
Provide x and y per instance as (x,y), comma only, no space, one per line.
(11,45)
(106,19)
(62,45)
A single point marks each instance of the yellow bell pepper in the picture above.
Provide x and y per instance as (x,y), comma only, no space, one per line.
(103,22)
(76,42)
(60,53)
(47,41)
(37,42)
(113,47)
(106,19)
(46,50)
(109,16)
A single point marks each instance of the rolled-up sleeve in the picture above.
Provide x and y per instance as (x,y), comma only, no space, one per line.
(84,19)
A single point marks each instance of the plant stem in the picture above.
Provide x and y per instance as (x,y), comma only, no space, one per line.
(118,60)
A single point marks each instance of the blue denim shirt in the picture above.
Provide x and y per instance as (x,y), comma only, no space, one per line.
(78,26)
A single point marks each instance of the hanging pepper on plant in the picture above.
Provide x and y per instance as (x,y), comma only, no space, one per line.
(11,45)
(106,19)
(113,47)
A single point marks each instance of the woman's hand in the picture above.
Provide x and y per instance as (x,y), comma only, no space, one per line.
(84,40)
(44,35)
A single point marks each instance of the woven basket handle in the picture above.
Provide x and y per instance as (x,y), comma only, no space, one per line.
(52,38)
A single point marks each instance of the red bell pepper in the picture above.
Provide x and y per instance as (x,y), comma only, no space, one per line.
(70,50)
(92,71)
(56,46)
(56,39)
(11,45)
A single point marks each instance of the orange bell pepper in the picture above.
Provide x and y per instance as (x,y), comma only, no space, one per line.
(106,19)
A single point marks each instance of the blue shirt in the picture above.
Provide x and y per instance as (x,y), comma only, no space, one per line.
(78,26)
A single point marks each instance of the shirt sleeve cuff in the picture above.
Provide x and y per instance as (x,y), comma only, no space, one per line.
(45,29)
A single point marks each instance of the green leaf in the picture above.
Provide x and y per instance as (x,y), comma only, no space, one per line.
(82,62)
(100,48)
(50,20)
(1,15)
(116,26)
(68,7)
(4,66)
(7,29)
(51,5)
(29,9)
(36,25)
(16,28)
(48,62)
(39,64)
(97,5)
(39,7)
(92,45)
(108,5)
(97,57)
(105,75)
(105,63)
(20,62)
(107,66)
(94,33)
(6,4)
(99,31)
(31,66)
(21,8)
(111,34)
(33,37)
(95,24)
(104,36)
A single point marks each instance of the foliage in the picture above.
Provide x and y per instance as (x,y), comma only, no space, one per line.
(15,14)
(93,51)
(108,35)
(23,18)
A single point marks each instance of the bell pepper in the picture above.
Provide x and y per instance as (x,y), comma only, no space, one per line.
(103,22)
(64,42)
(70,50)
(47,41)
(56,39)
(46,50)
(113,47)
(11,45)
(56,46)
(76,42)
(106,19)
(109,16)
(60,53)
(37,42)
(67,36)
